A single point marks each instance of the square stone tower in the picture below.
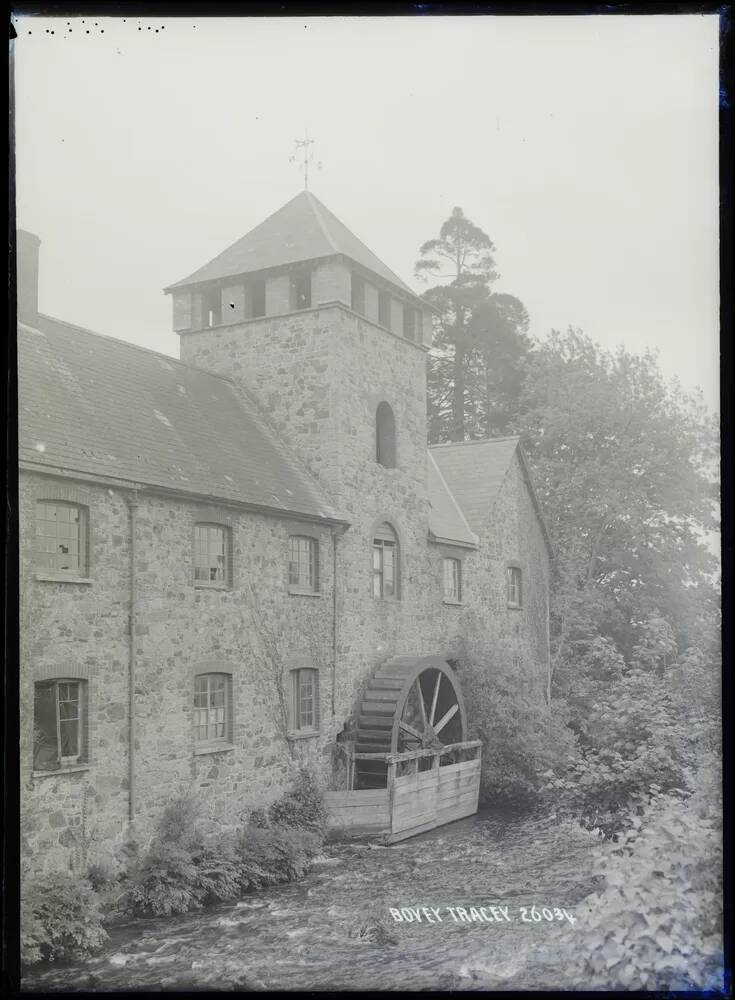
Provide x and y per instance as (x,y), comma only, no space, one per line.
(330,344)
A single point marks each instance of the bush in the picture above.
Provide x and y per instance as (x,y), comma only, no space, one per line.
(522,740)
(303,806)
(188,866)
(657,924)
(61,918)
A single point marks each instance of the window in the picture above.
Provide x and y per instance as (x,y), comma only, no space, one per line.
(513,578)
(358,294)
(212,708)
(211,307)
(385,436)
(385,562)
(211,555)
(303,563)
(59,724)
(257,298)
(61,537)
(452,580)
(305,700)
(301,290)
(384,309)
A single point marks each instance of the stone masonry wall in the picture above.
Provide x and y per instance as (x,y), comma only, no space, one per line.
(318,377)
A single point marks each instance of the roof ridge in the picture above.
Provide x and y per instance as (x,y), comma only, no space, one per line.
(398,280)
(316,207)
(128,343)
(455,444)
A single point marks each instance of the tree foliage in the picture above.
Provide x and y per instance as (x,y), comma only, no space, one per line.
(480,337)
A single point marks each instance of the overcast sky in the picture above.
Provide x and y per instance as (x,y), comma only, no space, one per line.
(586,147)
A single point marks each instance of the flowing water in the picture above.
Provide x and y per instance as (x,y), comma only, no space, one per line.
(334,929)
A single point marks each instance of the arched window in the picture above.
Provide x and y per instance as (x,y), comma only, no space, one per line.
(514,589)
(452,580)
(385,562)
(385,436)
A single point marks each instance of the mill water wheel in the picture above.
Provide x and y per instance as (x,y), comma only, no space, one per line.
(410,703)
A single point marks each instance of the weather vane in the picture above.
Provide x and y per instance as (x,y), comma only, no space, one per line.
(308,156)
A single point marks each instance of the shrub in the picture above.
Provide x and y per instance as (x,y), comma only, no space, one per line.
(275,854)
(165,881)
(188,866)
(302,806)
(521,738)
(61,918)
(657,924)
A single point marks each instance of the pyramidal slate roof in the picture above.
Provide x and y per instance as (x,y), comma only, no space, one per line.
(474,472)
(302,229)
(447,523)
(90,404)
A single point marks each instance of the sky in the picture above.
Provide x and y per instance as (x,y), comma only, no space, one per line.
(586,148)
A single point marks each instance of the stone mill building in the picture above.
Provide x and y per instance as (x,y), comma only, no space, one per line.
(218,552)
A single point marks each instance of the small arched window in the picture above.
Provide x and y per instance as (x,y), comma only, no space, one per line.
(514,589)
(385,436)
(385,562)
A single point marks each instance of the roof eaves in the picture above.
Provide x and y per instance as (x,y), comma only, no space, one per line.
(172,491)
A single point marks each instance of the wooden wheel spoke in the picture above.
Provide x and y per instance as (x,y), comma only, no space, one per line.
(446,718)
(421,703)
(435,698)
(409,730)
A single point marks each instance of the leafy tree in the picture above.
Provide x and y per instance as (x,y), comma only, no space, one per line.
(625,465)
(473,369)
(498,329)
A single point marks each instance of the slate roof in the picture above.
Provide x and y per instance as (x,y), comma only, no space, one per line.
(92,404)
(474,472)
(447,523)
(302,229)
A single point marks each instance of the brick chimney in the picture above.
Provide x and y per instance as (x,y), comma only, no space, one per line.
(27,245)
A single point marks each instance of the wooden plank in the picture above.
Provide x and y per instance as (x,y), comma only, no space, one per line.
(360,796)
(397,835)
(464,767)
(420,779)
(361,818)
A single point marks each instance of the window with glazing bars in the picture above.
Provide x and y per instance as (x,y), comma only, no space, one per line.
(61,537)
(385,562)
(513,578)
(58,724)
(452,579)
(305,699)
(211,554)
(303,569)
(211,707)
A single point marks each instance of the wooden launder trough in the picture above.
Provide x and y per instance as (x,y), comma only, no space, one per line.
(410,767)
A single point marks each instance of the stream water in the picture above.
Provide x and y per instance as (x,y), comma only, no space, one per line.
(334,929)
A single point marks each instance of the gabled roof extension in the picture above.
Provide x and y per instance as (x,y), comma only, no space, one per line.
(447,523)
(474,472)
